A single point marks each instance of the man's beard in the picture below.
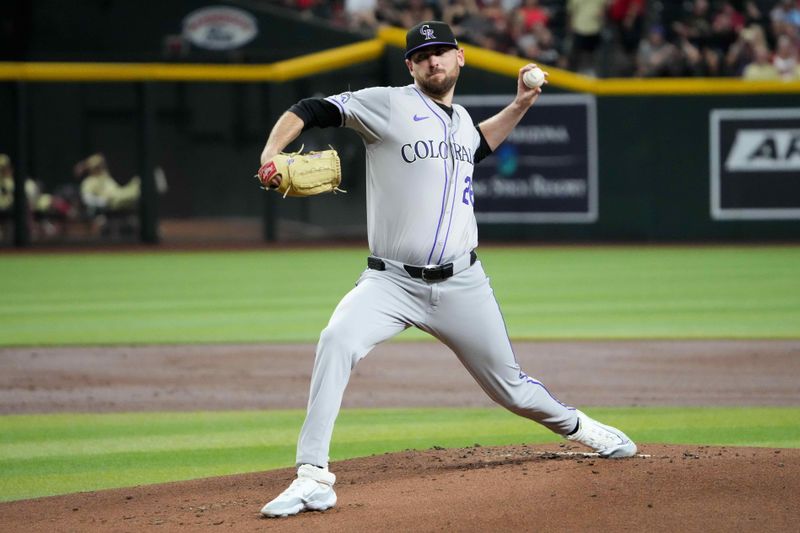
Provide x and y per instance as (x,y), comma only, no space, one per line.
(438,89)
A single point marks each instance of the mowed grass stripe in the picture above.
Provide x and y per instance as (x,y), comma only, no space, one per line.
(166,297)
(288,295)
(61,453)
(653,292)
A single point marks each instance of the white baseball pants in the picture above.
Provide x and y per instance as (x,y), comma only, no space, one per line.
(461,311)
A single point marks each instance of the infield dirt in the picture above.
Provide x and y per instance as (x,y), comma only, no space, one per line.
(397,374)
(515,488)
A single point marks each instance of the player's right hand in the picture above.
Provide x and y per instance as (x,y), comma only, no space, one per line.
(274,182)
(268,176)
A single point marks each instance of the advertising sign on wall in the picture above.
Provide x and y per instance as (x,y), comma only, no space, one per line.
(546,171)
(219,27)
(755,164)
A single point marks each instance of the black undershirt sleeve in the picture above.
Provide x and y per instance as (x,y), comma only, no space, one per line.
(317,112)
(483,150)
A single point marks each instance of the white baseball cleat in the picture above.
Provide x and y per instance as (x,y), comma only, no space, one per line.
(311,491)
(605,440)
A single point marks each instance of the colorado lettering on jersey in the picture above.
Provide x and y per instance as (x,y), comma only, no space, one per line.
(430,149)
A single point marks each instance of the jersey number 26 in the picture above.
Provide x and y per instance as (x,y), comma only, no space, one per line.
(468,197)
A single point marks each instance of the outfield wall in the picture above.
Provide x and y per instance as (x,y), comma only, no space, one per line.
(654,163)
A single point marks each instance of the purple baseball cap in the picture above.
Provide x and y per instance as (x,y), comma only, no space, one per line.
(429,33)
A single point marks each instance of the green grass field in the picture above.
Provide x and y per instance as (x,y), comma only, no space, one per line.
(272,296)
(287,296)
(53,454)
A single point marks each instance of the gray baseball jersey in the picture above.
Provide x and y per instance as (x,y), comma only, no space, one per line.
(420,212)
(419,173)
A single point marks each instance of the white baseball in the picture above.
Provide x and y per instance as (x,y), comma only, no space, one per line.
(533,78)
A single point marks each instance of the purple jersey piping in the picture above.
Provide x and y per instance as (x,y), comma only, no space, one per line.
(452,207)
(528,379)
(522,375)
(340,106)
(446,176)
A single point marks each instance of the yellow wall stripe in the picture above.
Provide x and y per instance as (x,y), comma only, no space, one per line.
(328,60)
(369,50)
(316,63)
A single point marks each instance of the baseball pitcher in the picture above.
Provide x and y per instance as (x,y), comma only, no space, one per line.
(423,271)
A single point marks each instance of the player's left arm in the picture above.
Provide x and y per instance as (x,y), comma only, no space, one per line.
(495,129)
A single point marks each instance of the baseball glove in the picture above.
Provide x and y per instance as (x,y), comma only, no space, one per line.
(303,174)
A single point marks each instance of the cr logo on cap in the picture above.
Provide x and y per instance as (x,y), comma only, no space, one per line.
(427,32)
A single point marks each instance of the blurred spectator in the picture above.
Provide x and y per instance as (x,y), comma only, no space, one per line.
(725,27)
(388,13)
(626,19)
(47,212)
(502,36)
(37,200)
(657,56)
(50,211)
(539,46)
(754,16)
(510,5)
(696,25)
(6,196)
(360,14)
(694,34)
(785,60)
(492,28)
(692,58)
(586,18)
(463,16)
(6,183)
(491,10)
(785,18)
(416,11)
(101,192)
(710,38)
(761,68)
(532,14)
(742,51)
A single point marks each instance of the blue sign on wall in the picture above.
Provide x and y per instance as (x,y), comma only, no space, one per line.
(546,171)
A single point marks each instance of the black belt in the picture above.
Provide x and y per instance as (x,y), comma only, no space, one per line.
(427,273)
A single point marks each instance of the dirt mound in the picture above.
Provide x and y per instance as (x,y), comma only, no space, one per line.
(520,488)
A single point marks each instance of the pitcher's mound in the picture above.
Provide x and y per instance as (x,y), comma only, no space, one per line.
(513,488)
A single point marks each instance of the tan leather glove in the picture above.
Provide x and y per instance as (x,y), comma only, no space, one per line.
(303,174)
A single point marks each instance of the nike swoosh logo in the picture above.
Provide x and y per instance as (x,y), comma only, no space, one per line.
(417,119)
